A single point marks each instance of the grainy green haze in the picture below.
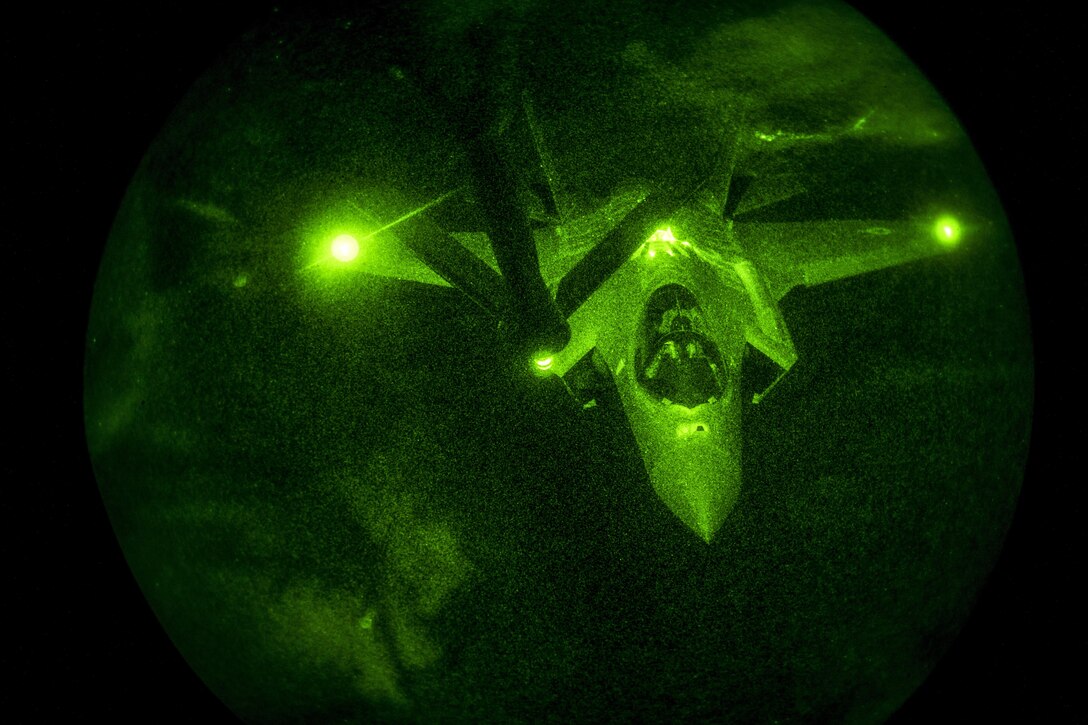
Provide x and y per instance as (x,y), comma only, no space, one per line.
(348,498)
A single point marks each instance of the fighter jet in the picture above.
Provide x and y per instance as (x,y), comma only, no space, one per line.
(663,288)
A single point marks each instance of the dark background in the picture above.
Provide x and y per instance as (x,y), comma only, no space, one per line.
(92,87)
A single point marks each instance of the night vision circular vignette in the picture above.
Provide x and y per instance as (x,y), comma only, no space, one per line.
(762,479)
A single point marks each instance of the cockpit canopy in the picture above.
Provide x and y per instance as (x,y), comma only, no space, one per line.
(676,361)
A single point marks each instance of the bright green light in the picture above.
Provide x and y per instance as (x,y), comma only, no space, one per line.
(544,363)
(241,281)
(663,241)
(662,235)
(345,248)
(947,230)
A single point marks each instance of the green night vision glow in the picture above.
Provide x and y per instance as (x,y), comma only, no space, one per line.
(346,238)
(345,248)
(947,230)
(662,235)
(662,242)
(762,479)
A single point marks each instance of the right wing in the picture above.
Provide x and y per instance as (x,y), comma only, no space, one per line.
(791,254)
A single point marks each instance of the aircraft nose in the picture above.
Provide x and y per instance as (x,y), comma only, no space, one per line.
(699,484)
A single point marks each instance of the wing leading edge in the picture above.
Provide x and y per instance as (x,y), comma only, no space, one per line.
(809,253)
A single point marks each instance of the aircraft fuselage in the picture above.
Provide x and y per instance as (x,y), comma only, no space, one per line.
(673,333)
